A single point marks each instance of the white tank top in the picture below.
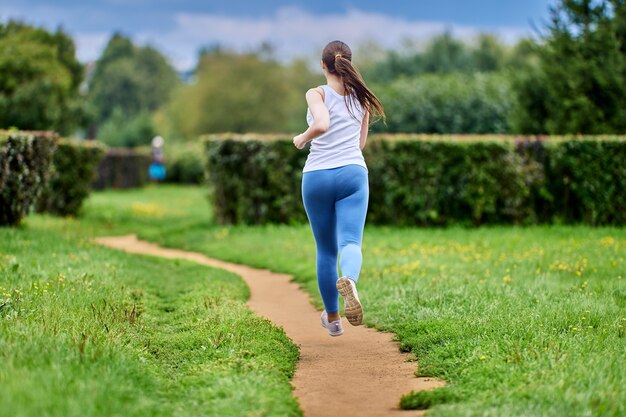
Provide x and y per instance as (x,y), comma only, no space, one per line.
(340,144)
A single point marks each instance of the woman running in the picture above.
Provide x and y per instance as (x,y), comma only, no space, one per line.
(334,183)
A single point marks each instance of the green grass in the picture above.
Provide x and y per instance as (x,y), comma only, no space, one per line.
(88,331)
(152,211)
(519,321)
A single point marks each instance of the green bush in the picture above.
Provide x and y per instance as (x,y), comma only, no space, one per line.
(40,76)
(447,103)
(184,163)
(73,170)
(123,168)
(588,180)
(433,180)
(24,168)
(255,182)
(121,130)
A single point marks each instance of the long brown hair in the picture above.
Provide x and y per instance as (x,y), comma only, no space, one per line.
(337,57)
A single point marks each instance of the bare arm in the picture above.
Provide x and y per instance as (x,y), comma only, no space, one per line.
(321,118)
(365,125)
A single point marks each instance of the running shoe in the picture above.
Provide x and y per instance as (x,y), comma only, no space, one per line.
(353,309)
(334,327)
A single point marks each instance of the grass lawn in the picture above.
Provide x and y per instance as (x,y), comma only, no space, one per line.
(89,331)
(519,321)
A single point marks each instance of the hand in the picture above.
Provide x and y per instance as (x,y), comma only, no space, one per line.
(299,141)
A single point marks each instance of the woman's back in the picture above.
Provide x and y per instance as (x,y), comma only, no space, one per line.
(340,144)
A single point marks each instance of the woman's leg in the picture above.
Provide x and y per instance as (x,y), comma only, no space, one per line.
(351,209)
(318,195)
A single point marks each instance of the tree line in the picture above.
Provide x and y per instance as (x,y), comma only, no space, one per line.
(570,78)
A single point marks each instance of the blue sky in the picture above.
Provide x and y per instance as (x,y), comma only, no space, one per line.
(296,28)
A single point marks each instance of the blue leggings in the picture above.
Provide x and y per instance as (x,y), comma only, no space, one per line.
(336,204)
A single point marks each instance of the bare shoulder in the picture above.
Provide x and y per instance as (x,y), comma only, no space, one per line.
(314,93)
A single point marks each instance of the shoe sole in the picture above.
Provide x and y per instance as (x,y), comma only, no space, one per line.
(353,310)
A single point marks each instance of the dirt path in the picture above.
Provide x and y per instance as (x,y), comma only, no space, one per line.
(361,373)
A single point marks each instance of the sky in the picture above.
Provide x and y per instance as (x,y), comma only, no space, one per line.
(179,28)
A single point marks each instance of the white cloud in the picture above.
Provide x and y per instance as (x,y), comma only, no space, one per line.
(298,33)
(292,31)
(89,46)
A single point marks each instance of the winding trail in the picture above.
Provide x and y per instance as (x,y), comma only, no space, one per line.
(361,373)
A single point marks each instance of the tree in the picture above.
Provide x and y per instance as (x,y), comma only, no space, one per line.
(131,79)
(122,131)
(240,93)
(446,54)
(528,86)
(443,54)
(582,71)
(446,103)
(39,79)
(489,55)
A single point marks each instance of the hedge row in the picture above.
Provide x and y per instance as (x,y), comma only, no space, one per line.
(184,163)
(73,170)
(123,168)
(37,169)
(433,180)
(253,181)
(25,159)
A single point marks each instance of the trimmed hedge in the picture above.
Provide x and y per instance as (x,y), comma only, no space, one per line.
(25,159)
(73,170)
(587,181)
(433,180)
(123,168)
(255,182)
(438,183)
(184,163)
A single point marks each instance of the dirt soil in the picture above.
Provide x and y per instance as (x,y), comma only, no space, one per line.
(361,373)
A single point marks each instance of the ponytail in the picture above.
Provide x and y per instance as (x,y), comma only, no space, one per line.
(337,57)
